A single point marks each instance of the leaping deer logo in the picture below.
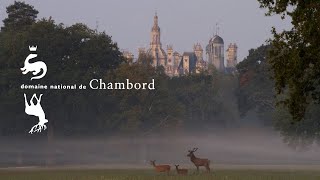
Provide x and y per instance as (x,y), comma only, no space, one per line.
(36,110)
(35,67)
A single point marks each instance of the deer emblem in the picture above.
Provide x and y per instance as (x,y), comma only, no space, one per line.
(36,110)
(198,161)
(35,67)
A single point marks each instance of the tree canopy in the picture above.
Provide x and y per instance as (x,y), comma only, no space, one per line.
(294,56)
(20,15)
(256,87)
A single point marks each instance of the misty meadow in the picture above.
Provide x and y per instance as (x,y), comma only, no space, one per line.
(207,113)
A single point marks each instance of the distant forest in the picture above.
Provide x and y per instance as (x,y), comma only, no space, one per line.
(197,102)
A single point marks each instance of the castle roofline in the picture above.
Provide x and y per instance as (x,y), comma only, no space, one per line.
(216,39)
(188,53)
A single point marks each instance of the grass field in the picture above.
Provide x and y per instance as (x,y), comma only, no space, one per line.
(151,175)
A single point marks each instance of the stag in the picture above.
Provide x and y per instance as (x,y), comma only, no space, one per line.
(160,168)
(198,162)
(181,171)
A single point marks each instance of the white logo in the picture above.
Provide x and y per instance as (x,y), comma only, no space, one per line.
(35,67)
(36,110)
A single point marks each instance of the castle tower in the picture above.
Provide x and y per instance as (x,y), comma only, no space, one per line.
(232,56)
(170,61)
(186,58)
(215,52)
(198,51)
(158,54)
(177,60)
(143,57)
(141,50)
(155,33)
(128,56)
(200,63)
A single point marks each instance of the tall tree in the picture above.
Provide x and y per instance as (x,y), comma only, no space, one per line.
(74,54)
(294,56)
(256,87)
(20,16)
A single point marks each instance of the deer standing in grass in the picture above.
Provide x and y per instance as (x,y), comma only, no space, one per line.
(181,171)
(160,168)
(198,161)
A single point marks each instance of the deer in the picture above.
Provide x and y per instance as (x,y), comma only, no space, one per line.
(198,162)
(160,168)
(181,171)
(36,110)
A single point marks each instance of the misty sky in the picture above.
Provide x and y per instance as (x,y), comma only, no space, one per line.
(182,22)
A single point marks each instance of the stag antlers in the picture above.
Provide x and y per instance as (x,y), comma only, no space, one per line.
(193,150)
(198,162)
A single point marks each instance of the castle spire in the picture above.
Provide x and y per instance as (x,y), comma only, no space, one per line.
(217,29)
(155,27)
(155,19)
(158,54)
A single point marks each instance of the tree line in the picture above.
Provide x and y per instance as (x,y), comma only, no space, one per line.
(76,54)
(278,81)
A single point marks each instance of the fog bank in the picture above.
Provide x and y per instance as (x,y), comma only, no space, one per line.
(250,146)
